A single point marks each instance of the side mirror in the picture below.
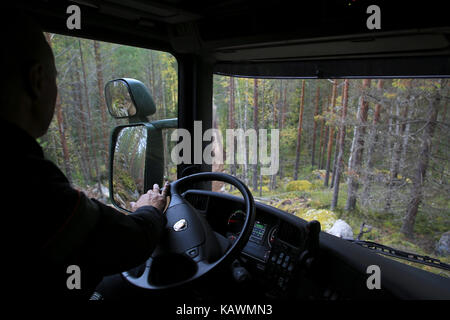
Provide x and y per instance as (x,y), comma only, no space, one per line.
(136,160)
(129,98)
(127,165)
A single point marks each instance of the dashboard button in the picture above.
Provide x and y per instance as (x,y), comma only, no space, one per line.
(192,252)
(291,267)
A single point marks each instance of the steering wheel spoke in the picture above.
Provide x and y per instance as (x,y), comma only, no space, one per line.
(142,280)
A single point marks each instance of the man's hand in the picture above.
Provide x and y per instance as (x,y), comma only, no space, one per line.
(156,198)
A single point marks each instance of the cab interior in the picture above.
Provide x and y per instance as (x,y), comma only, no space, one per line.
(309,40)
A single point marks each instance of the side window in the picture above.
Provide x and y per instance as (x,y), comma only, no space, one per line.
(78,137)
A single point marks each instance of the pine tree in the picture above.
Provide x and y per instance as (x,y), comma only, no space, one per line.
(299,132)
(356,151)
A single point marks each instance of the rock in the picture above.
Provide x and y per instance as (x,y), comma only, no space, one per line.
(325,217)
(443,245)
(105,191)
(341,229)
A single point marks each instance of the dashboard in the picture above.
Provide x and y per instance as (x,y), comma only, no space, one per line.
(261,239)
(287,257)
(275,244)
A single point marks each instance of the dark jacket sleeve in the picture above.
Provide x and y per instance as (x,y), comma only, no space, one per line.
(120,242)
(103,240)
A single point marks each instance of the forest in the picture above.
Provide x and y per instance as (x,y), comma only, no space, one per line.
(373,152)
(78,137)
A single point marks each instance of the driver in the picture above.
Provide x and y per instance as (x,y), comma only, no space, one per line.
(48,226)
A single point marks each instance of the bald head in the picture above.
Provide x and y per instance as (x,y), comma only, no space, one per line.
(28,83)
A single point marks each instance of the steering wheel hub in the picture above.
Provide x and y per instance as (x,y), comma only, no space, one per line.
(180,225)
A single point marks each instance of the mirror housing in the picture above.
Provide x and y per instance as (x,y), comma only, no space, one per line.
(139,177)
(128,156)
(129,98)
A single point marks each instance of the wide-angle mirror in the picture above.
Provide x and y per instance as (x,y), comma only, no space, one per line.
(119,100)
(128,165)
(129,98)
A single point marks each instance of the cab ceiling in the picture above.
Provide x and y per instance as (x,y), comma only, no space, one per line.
(238,31)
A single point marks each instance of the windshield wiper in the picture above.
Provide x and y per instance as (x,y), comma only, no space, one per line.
(413,257)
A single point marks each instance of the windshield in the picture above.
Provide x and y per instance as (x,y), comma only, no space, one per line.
(368,158)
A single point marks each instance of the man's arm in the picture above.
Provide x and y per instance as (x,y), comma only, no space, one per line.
(120,242)
(105,240)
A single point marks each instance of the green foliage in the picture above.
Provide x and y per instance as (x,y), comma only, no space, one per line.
(86,122)
(278,108)
(124,185)
(299,185)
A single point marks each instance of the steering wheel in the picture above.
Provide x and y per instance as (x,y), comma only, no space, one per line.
(189,247)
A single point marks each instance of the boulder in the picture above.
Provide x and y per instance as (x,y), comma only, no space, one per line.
(443,245)
(105,191)
(325,217)
(341,229)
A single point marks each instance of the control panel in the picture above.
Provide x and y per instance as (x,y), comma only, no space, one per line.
(280,266)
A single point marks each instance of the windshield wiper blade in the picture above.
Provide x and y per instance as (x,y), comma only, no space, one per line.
(413,257)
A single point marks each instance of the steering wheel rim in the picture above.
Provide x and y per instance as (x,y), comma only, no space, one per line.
(194,235)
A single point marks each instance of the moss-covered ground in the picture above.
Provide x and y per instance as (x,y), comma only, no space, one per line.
(307,198)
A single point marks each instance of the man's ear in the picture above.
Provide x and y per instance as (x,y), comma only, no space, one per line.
(35,83)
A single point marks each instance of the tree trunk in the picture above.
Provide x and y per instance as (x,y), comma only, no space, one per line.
(82,116)
(316,112)
(396,157)
(255,126)
(331,135)
(356,151)
(323,133)
(153,83)
(100,83)
(273,178)
(336,151)
(422,165)
(341,142)
(396,153)
(61,127)
(245,173)
(78,137)
(265,125)
(372,141)
(231,124)
(438,142)
(62,138)
(281,111)
(284,109)
(89,121)
(299,132)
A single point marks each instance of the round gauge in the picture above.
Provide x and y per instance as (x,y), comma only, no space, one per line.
(272,235)
(236,221)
